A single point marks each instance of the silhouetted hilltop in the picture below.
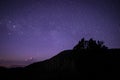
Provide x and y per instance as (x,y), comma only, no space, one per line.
(87,60)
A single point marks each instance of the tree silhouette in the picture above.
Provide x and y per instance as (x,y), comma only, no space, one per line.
(80,45)
(89,45)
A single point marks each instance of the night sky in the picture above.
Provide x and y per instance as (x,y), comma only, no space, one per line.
(33,30)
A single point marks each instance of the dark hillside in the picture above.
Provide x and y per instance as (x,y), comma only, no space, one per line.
(87,60)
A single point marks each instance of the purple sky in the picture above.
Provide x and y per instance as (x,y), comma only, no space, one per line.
(39,29)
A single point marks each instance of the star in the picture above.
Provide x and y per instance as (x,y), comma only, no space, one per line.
(14,26)
(21,33)
(9,21)
(9,33)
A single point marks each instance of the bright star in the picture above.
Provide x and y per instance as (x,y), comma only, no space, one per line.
(14,26)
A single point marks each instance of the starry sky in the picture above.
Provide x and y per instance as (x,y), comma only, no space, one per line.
(32,30)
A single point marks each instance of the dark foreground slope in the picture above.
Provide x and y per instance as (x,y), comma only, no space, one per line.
(70,64)
(88,60)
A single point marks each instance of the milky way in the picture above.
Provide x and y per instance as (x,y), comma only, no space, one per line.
(39,29)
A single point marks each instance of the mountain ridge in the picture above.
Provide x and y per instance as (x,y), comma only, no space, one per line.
(92,61)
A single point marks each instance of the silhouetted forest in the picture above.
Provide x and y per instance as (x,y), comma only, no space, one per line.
(89,59)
